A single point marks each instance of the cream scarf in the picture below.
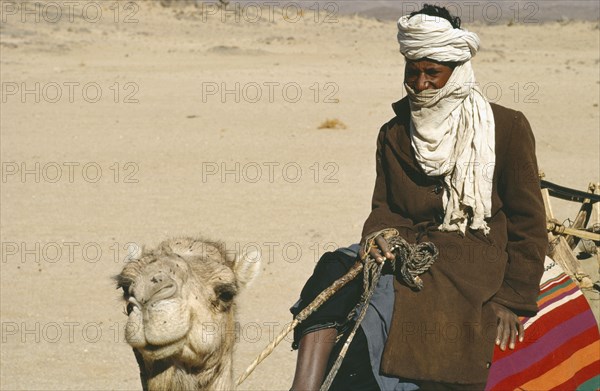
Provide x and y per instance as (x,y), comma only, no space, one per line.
(452,128)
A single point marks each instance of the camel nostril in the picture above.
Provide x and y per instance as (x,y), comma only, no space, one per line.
(164,292)
(153,288)
(165,288)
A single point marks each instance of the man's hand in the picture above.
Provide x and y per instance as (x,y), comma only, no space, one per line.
(380,253)
(509,327)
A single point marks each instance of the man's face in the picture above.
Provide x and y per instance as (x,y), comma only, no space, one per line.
(421,75)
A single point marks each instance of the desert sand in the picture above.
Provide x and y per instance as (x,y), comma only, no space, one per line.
(144,122)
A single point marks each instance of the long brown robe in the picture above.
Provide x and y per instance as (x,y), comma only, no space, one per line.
(447,331)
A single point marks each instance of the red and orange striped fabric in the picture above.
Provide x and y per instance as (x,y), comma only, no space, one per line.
(561,350)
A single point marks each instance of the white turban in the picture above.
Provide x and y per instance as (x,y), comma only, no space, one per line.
(452,128)
(424,36)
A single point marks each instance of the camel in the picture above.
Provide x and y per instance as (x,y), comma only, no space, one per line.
(181,311)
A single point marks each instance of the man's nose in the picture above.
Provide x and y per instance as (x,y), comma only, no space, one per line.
(422,84)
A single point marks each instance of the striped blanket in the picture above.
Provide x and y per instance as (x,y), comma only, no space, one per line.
(561,350)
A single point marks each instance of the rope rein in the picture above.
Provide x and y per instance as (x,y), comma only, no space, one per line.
(410,260)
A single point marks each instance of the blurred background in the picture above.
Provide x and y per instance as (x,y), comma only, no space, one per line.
(253,123)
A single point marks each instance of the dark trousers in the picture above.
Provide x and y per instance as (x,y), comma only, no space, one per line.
(355,373)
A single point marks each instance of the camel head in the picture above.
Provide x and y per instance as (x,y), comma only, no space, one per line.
(180,302)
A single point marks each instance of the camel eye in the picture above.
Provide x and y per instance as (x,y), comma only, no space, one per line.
(226,292)
(226,296)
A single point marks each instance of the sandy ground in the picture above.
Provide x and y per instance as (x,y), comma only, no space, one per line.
(210,127)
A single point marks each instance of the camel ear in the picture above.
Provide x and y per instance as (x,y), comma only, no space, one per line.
(134,252)
(247,267)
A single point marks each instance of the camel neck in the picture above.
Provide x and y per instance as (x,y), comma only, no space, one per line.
(175,377)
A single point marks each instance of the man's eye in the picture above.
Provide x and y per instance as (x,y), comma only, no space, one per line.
(433,72)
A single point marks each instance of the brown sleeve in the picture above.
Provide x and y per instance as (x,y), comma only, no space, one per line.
(382,216)
(519,189)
